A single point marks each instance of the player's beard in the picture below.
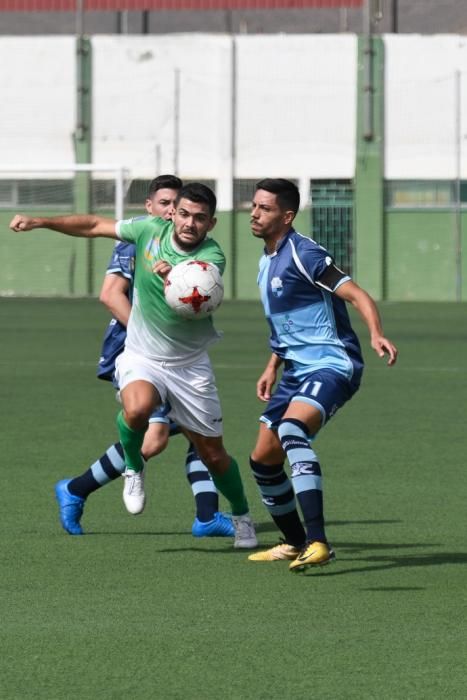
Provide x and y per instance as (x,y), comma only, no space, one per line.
(187,246)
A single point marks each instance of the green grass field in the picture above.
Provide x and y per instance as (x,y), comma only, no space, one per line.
(138,609)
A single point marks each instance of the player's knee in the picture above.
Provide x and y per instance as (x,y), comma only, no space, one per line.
(137,417)
(291,432)
(268,449)
(215,459)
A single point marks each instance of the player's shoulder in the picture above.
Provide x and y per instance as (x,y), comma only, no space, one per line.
(123,248)
(213,249)
(306,245)
(304,241)
(143,221)
(211,243)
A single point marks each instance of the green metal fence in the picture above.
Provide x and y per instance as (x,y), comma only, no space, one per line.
(332,219)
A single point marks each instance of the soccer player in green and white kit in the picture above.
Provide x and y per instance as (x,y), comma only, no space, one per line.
(165,356)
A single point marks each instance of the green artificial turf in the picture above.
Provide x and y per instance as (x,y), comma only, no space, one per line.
(138,609)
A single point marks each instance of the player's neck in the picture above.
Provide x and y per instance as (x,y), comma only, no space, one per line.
(274,241)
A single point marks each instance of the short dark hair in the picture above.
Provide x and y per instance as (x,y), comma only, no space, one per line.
(199,193)
(162,182)
(288,196)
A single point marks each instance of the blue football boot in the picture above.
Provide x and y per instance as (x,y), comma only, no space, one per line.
(70,508)
(220,526)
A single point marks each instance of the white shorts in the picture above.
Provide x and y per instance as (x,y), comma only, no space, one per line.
(191,391)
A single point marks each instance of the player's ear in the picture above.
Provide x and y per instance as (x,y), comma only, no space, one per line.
(212,223)
(148,205)
(289,216)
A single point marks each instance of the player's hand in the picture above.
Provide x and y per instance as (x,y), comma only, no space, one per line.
(162,268)
(265,384)
(22,223)
(382,346)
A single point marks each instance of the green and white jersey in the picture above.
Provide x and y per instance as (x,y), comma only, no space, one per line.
(154,329)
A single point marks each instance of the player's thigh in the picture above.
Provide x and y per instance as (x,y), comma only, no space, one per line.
(141,387)
(268,448)
(320,395)
(139,398)
(194,400)
(309,415)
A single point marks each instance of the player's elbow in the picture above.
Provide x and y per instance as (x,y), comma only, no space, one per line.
(105,297)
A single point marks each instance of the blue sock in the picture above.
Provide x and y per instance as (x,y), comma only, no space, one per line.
(108,468)
(204,491)
(278,496)
(306,476)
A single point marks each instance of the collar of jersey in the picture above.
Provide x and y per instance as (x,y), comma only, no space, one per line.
(282,243)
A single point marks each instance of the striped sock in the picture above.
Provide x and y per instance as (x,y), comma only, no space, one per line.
(306,476)
(107,468)
(278,496)
(202,486)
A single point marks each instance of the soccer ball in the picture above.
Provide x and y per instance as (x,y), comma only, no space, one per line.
(194,289)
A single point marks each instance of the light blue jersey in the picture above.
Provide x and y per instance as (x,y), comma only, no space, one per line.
(310,326)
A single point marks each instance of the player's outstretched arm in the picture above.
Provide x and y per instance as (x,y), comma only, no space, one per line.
(366,307)
(81,225)
(265,383)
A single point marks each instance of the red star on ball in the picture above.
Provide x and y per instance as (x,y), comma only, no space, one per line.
(195,300)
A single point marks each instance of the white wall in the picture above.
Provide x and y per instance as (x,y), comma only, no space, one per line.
(294,111)
(421,108)
(37,114)
(295,108)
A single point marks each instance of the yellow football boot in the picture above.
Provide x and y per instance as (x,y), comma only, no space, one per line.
(278,553)
(314,554)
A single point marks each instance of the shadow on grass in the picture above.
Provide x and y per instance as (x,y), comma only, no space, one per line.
(361,522)
(394,589)
(387,562)
(261,527)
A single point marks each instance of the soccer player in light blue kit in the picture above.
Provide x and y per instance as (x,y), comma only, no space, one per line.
(304,295)
(116,294)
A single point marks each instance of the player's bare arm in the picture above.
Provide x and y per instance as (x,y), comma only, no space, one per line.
(114,295)
(265,383)
(366,307)
(80,225)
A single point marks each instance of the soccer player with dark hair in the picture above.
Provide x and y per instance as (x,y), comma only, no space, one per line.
(165,357)
(116,293)
(304,296)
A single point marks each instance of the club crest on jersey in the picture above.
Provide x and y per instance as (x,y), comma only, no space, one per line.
(277,287)
(151,251)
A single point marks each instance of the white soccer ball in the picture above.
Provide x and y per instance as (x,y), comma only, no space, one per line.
(194,289)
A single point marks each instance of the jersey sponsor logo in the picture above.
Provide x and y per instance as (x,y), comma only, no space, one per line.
(287,325)
(277,288)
